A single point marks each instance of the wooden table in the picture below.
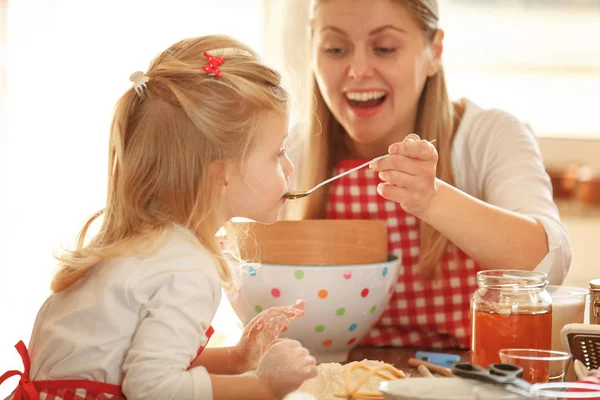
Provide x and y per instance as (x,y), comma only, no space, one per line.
(398,356)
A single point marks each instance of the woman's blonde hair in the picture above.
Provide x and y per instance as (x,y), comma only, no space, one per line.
(435,120)
(162,144)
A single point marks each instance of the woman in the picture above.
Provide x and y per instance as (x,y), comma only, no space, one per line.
(464,189)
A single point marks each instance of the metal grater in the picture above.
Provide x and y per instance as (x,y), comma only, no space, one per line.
(584,343)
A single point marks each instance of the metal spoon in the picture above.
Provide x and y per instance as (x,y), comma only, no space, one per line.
(293,195)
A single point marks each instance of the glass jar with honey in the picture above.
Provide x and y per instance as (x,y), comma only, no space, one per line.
(510,309)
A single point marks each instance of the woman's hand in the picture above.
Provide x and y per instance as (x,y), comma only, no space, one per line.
(408,175)
(263,330)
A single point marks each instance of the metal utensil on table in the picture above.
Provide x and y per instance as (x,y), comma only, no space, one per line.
(506,375)
(581,370)
(298,194)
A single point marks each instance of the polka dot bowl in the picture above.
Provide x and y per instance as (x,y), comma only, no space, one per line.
(342,302)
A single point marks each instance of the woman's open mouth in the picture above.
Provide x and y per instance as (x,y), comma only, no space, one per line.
(366,99)
(365,103)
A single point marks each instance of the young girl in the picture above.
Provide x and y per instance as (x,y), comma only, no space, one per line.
(197,140)
(477,198)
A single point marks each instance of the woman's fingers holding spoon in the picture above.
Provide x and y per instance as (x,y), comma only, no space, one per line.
(409,149)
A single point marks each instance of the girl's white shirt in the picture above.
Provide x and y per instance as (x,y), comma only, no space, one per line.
(135,321)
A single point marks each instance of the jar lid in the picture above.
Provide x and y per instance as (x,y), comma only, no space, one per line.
(511,279)
(595,284)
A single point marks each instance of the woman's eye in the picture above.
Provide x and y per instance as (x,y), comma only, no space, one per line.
(385,50)
(336,51)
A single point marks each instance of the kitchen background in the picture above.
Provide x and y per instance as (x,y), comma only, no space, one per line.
(63,64)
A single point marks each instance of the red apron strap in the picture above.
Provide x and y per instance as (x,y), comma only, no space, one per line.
(209,333)
(26,389)
(93,387)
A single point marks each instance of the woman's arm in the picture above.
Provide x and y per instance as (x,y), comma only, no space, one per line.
(515,225)
(495,237)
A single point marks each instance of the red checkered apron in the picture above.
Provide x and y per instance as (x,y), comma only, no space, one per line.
(64,389)
(424,313)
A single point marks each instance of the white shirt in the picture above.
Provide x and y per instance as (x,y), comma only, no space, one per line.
(496,158)
(136,321)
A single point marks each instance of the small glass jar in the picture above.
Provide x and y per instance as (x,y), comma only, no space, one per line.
(510,309)
(595,301)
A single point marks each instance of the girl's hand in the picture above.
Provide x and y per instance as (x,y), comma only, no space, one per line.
(263,330)
(285,366)
(408,175)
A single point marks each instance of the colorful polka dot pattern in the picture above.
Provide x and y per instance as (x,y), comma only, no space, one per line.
(323,294)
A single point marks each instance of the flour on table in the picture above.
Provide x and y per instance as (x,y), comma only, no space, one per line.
(331,379)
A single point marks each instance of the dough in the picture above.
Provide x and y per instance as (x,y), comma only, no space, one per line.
(331,379)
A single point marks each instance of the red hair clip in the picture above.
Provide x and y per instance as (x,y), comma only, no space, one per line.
(213,65)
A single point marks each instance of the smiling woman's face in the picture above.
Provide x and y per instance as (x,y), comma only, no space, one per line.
(371,61)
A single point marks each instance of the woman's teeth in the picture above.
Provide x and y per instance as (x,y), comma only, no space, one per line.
(365,99)
(364,96)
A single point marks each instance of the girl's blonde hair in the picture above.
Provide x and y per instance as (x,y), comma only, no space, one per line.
(162,145)
(435,120)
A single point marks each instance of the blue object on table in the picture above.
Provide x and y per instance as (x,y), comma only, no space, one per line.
(441,359)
